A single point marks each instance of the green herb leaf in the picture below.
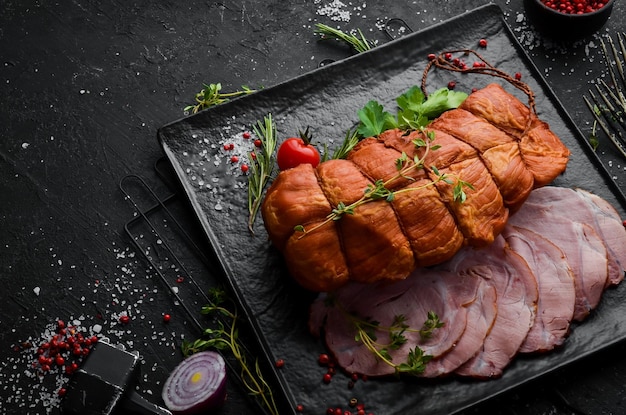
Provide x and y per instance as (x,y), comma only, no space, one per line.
(442,100)
(211,95)
(374,120)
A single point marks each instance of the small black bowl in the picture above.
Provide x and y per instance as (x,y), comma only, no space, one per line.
(564,26)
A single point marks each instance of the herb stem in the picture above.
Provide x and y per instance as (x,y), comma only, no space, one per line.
(210,95)
(358,43)
(379,189)
(262,166)
(226,336)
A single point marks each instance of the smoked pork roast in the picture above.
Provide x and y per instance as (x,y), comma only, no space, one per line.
(492,141)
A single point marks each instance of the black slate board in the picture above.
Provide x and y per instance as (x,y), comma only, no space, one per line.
(327,100)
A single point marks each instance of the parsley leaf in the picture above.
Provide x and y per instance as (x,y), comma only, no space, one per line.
(374,120)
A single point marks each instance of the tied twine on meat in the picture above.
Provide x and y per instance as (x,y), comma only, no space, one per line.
(441,62)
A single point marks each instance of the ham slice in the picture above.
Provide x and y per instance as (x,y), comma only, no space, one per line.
(450,296)
(517,296)
(557,291)
(583,247)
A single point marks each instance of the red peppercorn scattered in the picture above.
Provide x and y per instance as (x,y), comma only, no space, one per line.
(124,319)
(482,43)
(451,85)
(245,168)
(62,392)
(280,363)
(448,56)
(246,135)
(258,143)
(323,359)
(327,377)
(166,318)
(234,159)
(432,56)
(229,146)
(253,155)
(299,408)
(518,75)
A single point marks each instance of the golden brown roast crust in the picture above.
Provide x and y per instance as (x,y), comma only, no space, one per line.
(487,142)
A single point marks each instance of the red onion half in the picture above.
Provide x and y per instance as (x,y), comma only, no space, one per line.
(197,384)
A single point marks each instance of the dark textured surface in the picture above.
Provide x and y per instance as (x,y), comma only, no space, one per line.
(85,86)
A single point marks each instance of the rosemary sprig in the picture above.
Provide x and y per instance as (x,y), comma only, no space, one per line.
(351,139)
(261,166)
(210,95)
(226,337)
(379,190)
(358,43)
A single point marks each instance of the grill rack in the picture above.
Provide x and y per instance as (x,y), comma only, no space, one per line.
(173,252)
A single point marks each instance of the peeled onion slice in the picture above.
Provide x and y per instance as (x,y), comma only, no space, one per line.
(196,385)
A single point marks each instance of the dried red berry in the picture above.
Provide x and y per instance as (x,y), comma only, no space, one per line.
(327,377)
(451,85)
(246,135)
(299,408)
(323,359)
(280,363)
(245,168)
(482,43)
(432,56)
(258,143)
(166,318)
(124,319)
(518,75)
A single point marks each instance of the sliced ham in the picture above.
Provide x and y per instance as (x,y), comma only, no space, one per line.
(585,207)
(557,292)
(520,294)
(583,247)
(480,318)
(517,295)
(444,293)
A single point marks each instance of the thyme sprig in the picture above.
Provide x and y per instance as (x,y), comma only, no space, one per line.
(416,359)
(211,95)
(226,337)
(358,43)
(379,190)
(261,166)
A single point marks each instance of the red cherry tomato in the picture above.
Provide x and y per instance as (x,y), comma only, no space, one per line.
(295,151)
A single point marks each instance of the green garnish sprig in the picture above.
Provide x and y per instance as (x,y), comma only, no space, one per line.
(358,43)
(226,337)
(261,166)
(211,95)
(366,330)
(379,190)
(415,112)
